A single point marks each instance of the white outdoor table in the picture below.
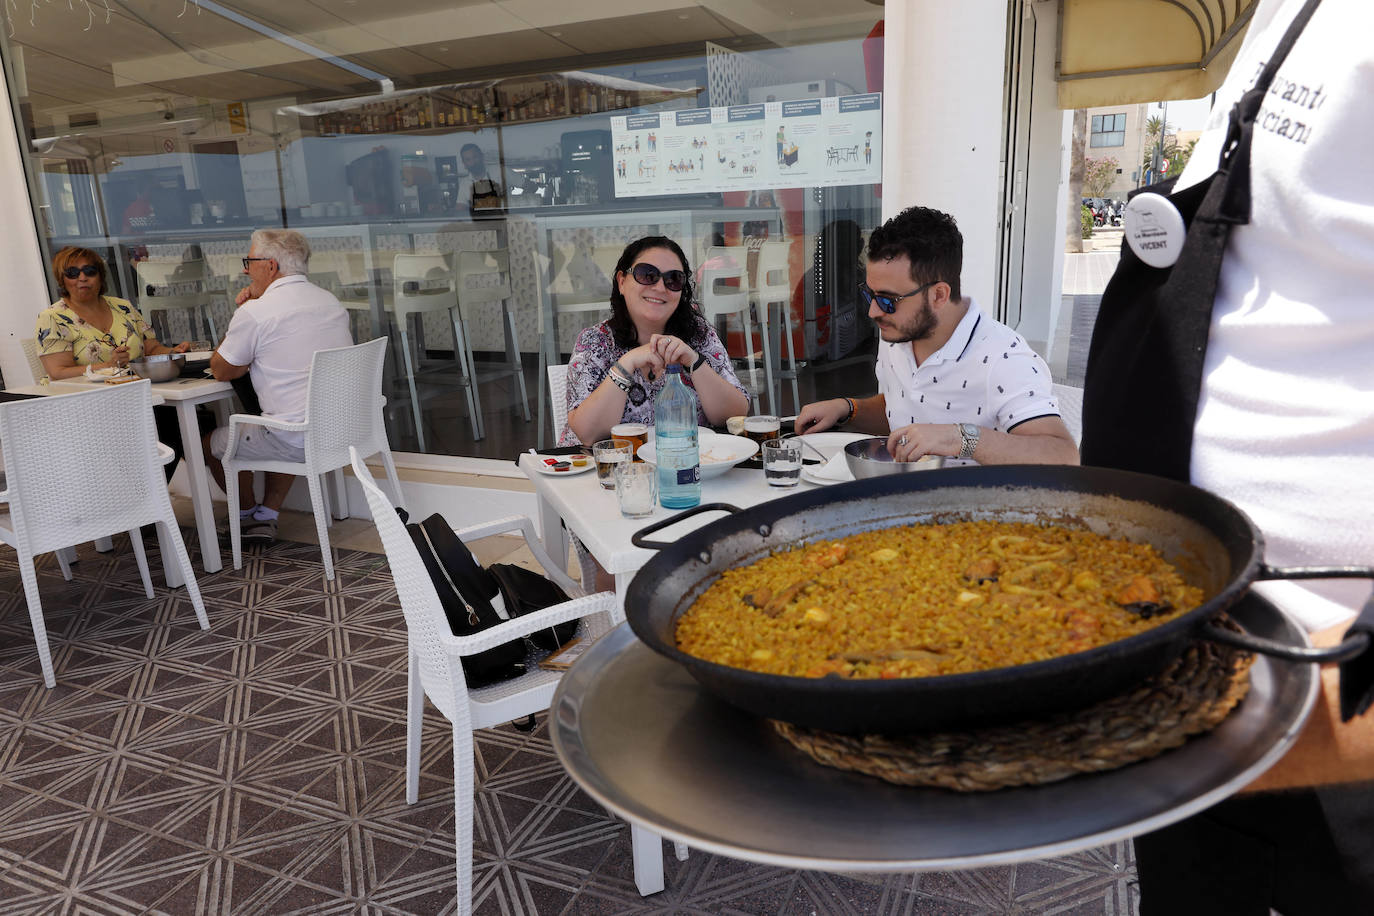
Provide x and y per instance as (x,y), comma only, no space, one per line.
(184,394)
(592,513)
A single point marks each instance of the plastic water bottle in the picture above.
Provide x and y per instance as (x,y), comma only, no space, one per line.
(675,444)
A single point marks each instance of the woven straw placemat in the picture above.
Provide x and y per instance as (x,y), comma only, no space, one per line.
(1190,697)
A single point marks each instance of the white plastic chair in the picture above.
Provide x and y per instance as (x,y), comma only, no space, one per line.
(1071,409)
(434,667)
(121,486)
(171,274)
(30,346)
(773,287)
(491,270)
(717,298)
(424,283)
(343,410)
(558,398)
(587,302)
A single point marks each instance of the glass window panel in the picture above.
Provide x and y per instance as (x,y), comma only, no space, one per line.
(391,131)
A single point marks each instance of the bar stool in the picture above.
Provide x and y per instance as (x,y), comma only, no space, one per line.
(589,304)
(154,306)
(423,283)
(773,287)
(718,298)
(483,279)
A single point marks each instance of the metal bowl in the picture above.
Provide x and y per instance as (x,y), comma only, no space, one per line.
(158,368)
(870,458)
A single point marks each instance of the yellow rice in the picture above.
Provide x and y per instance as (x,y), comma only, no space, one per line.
(907,602)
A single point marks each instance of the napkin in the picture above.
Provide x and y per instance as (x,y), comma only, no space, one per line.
(835,469)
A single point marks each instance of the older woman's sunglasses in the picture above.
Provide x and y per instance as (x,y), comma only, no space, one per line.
(648,275)
(888,304)
(90,270)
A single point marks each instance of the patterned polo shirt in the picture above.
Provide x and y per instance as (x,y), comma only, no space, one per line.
(985,373)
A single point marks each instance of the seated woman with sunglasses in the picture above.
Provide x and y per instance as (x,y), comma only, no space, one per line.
(618,366)
(88,328)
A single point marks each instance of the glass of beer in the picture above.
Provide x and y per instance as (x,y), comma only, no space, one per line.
(608,453)
(636,433)
(761,428)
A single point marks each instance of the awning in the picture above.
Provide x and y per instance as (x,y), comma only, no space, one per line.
(1118,52)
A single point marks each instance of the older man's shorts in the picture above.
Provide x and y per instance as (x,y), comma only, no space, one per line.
(256,443)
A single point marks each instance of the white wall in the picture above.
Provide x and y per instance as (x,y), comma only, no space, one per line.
(21,260)
(1042,272)
(943,73)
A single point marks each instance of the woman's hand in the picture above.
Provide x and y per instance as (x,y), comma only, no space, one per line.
(182,347)
(645,360)
(119,356)
(673,350)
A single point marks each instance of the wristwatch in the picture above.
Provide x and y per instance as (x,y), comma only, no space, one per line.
(633,390)
(969,433)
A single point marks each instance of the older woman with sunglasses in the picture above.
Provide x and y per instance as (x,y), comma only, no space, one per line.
(88,328)
(618,366)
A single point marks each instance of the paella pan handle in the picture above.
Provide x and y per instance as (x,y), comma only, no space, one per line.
(1353,652)
(639,540)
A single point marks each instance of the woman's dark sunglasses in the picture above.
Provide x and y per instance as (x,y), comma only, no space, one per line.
(648,275)
(90,270)
(888,304)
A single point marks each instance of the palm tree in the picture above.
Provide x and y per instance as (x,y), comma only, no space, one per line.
(1158,138)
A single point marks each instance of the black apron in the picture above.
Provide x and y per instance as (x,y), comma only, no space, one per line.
(1300,852)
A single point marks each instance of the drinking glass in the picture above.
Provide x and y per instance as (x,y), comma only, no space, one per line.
(762,427)
(636,489)
(609,453)
(637,433)
(782,462)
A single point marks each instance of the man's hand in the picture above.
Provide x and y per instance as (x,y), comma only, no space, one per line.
(917,440)
(821,415)
(244,295)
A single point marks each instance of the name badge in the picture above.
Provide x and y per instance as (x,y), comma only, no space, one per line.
(1154,229)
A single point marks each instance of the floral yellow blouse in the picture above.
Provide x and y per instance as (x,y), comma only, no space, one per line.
(61,330)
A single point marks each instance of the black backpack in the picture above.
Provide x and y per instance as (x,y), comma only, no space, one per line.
(475,599)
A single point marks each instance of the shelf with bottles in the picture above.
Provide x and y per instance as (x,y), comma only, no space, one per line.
(384,116)
(535,98)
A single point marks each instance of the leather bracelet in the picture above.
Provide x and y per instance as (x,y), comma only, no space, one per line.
(701,358)
(853,408)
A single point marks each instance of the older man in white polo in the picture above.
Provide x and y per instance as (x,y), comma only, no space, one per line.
(281,320)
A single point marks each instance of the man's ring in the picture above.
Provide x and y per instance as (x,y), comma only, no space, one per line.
(902,441)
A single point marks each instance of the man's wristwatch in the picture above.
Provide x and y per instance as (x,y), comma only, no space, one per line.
(969,434)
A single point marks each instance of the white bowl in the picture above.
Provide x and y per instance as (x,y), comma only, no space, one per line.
(719,453)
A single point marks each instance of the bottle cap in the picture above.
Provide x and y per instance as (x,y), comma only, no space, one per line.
(675,368)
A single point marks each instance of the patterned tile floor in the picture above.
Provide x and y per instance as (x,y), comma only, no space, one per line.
(259,768)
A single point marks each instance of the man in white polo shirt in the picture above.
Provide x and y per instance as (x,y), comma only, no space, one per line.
(281,320)
(952,381)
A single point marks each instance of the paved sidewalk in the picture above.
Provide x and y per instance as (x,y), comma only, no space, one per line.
(1085,277)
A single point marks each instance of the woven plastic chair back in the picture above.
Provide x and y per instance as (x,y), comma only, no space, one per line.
(103,440)
(431,285)
(558,398)
(30,346)
(425,620)
(1071,409)
(344,404)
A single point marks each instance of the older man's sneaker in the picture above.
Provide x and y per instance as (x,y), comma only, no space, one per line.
(259,531)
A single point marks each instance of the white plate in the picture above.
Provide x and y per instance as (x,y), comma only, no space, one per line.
(829,443)
(810,476)
(719,452)
(570,472)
